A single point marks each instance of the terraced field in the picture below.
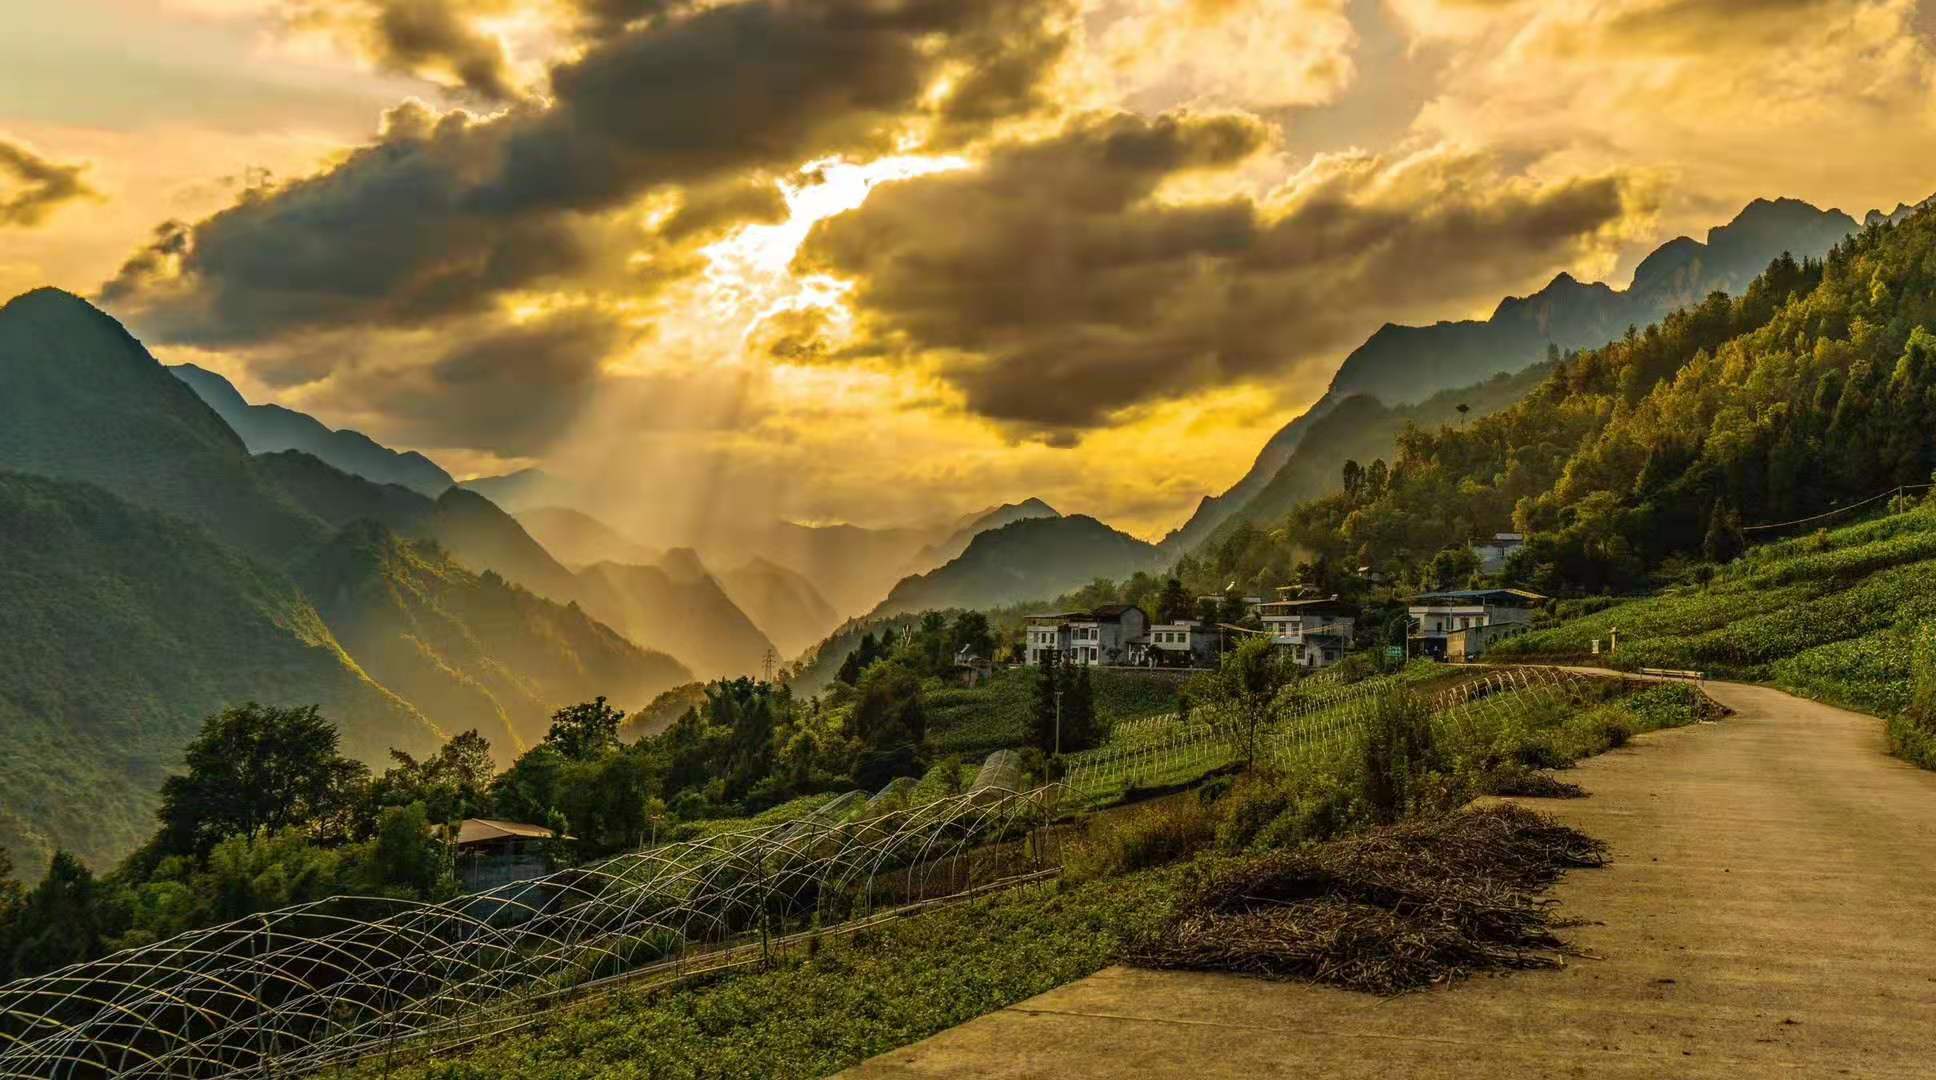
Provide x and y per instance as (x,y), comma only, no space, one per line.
(1834,616)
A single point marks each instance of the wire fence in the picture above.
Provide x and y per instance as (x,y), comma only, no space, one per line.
(334,982)
(337,982)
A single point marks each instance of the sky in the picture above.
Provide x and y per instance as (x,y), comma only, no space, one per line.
(890,261)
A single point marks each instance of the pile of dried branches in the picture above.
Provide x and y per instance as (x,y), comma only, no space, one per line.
(1531,784)
(1396,909)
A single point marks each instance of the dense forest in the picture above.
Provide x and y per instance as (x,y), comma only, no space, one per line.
(1631,463)
(269,812)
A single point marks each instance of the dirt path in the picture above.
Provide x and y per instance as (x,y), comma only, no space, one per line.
(1771,911)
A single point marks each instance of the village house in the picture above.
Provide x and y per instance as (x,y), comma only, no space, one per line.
(1181,644)
(1107,635)
(1316,630)
(1493,553)
(1462,624)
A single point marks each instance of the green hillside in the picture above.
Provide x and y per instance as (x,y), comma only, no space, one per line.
(1834,615)
(686,614)
(470,649)
(124,629)
(1363,429)
(267,429)
(1815,387)
(80,399)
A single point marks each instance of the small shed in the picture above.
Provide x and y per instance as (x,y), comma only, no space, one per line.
(492,852)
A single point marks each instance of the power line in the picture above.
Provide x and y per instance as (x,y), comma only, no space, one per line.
(1898,490)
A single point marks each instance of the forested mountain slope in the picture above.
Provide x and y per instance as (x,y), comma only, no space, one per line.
(80,399)
(1363,429)
(1402,364)
(678,608)
(470,649)
(123,629)
(266,429)
(285,580)
(1815,387)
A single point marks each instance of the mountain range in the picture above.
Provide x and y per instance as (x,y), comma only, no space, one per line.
(1031,558)
(1401,365)
(156,572)
(268,428)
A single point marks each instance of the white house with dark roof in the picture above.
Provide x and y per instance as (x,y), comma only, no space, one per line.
(1316,630)
(1108,635)
(1462,623)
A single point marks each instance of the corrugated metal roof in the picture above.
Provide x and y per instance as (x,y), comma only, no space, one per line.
(484,830)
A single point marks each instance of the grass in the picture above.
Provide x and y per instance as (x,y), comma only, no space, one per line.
(825,1009)
(999,713)
(1833,616)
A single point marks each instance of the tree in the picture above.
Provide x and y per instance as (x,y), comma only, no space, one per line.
(1453,567)
(889,709)
(1078,713)
(891,724)
(454,783)
(258,767)
(1463,410)
(1246,686)
(1725,540)
(1376,479)
(1209,610)
(971,632)
(1046,701)
(585,730)
(1354,478)
(59,922)
(406,860)
(1175,605)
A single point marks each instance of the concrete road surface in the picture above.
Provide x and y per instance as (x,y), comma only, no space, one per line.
(1770,911)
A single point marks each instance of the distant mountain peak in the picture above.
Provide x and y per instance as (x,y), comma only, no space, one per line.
(269,428)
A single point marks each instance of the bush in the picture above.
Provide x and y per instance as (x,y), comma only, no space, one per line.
(1152,834)
(1398,750)
(1254,802)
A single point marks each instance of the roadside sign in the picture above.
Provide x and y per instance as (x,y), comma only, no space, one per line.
(1394,652)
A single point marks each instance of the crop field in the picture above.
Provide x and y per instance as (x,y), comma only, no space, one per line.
(1832,616)
(996,714)
(1313,715)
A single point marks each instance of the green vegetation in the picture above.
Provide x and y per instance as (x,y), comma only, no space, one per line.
(125,628)
(1630,462)
(843,999)
(1839,615)
(830,1006)
(156,573)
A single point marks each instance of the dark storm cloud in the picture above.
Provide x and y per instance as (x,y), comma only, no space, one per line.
(1053,289)
(442,215)
(435,39)
(485,381)
(412,33)
(31,186)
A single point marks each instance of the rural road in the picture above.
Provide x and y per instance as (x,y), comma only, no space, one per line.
(1770,911)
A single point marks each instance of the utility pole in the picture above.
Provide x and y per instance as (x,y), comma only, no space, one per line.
(767,662)
(1058,717)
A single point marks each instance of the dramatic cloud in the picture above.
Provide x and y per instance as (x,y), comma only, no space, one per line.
(31,186)
(1828,100)
(1056,285)
(444,214)
(1231,52)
